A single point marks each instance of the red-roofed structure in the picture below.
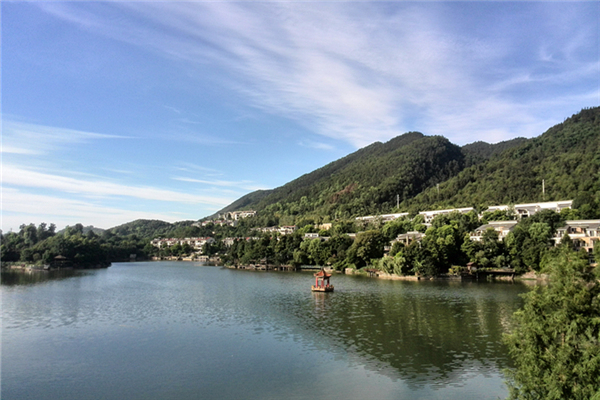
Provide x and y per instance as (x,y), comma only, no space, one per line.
(322,282)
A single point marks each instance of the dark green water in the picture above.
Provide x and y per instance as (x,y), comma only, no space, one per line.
(184,331)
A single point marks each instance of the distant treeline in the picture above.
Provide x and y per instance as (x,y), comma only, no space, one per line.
(42,244)
(446,244)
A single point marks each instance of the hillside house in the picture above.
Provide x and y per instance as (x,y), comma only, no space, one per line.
(430,215)
(529,209)
(283,230)
(585,234)
(229,241)
(502,227)
(383,218)
(237,215)
(408,237)
(310,236)
(196,242)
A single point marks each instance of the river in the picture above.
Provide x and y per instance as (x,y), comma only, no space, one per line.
(179,330)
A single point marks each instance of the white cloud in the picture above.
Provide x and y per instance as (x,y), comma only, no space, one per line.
(21,207)
(362,72)
(242,185)
(26,138)
(17,176)
(316,145)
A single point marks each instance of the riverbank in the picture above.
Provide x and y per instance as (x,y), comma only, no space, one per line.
(483,275)
(15,267)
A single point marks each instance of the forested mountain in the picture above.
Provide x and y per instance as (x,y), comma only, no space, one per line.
(566,158)
(368,181)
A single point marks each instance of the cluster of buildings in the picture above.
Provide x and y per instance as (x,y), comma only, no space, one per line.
(520,210)
(583,233)
(282,230)
(230,218)
(195,242)
(229,241)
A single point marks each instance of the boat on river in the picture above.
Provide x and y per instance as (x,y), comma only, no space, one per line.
(322,282)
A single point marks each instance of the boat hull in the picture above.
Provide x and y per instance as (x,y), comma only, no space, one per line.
(322,288)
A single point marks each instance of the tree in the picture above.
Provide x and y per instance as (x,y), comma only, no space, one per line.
(367,246)
(587,205)
(556,339)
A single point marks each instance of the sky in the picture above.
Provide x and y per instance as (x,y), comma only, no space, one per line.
(116,111)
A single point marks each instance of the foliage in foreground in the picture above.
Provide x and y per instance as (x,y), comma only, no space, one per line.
(556,341)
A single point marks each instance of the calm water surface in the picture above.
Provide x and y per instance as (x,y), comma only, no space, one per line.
(173,330)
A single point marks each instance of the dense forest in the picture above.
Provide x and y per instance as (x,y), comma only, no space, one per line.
(566,159)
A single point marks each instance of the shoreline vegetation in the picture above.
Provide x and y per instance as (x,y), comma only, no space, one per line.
(48,267)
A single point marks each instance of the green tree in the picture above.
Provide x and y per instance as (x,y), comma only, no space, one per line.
(367,246)
(555,342)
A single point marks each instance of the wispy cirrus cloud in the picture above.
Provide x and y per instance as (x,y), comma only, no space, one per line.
(241,185)
(20,177)
(372,71)
(27,138)
(23,207)
(316,145)
(191,167)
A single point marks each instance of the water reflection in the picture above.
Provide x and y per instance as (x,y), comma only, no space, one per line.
(419,332)
(211,323)
(33,276)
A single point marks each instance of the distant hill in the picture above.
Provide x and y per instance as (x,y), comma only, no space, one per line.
(410,167)
(147,228)
(86,229)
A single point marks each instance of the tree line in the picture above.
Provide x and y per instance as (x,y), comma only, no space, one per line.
(42,244)
(446,243)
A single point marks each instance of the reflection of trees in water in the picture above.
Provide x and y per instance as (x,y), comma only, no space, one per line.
(420,332)
(30,277)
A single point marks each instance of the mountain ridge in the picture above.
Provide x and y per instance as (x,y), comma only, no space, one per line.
(411,166)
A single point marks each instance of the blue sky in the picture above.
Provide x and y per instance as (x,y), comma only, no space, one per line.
(114,111)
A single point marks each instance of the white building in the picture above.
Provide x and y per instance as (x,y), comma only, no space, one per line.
(585,234)
(502,227)
(528,209)
(382,218)
(196,242)
(430,215)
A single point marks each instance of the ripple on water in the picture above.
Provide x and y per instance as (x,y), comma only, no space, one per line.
(420,335)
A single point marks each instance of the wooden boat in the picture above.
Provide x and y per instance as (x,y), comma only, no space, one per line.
(322,282)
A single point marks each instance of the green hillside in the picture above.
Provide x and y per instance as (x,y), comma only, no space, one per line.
(366,181)
(478,152)
(566,158)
